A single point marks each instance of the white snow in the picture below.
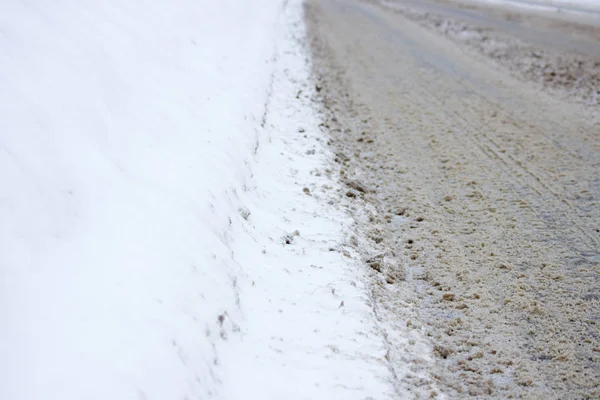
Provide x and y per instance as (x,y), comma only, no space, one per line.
(310,332)
(151,164)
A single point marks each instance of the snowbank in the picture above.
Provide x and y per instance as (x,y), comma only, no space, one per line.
(151,168)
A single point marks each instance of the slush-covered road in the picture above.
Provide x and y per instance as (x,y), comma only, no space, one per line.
(490,190)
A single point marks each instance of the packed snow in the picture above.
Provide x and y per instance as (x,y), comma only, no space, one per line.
(167,227)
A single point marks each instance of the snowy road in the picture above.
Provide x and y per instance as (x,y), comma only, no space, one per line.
(546,35)
(279,199)
(486,182)
(585,7)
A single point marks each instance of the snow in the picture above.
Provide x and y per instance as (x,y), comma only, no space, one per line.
(322,339)
(152,165)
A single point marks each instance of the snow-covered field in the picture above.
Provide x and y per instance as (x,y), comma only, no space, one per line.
(154,160)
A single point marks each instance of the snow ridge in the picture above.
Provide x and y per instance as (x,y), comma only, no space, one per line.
(147,199)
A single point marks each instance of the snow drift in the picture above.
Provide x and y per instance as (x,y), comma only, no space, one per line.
(150,168)
(125,128)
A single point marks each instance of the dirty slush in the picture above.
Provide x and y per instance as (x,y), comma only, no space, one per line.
(485,188)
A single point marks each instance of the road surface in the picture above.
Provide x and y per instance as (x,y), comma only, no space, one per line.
(489,187)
